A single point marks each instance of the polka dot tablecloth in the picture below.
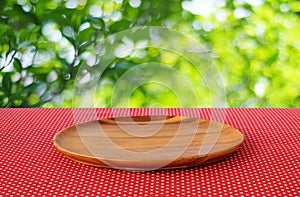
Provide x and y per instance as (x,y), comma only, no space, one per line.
(266,165)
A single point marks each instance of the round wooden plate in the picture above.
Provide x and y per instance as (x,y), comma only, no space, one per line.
(148,143)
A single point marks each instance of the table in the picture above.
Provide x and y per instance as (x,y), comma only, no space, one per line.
(266,165)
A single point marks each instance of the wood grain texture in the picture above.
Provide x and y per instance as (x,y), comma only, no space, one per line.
(135,143)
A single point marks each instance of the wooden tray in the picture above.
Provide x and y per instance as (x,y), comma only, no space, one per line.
(164,143)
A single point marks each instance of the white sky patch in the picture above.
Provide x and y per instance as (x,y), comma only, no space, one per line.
(135,3)
(124,49)
(197,25)
(5,63)
(41,89)
(68,31)
(68,51)
(201,7)
(71,4)
(64,43)
(284,7)
(48,28)
(208,26)
(142,44)
(52,76)
(28,56)
(22,2)
(40,58)
(27,7)
(28,80)
(221,3)
(297,44)
(255,2)
(260,29)
(221,15)
(99,49)
(16,77)
(95,11)
(118,1)
(56,36)
(51,32)
(90,58)
(241,13)
(260,86)
(86,78)
(84,26)
(116,16)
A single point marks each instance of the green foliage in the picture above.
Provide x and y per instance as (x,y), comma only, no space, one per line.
(43,44)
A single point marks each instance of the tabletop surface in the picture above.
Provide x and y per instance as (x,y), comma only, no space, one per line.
(267,164)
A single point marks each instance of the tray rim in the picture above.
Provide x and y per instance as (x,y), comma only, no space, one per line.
(208,157)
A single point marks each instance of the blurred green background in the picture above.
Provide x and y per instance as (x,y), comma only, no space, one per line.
(256,47)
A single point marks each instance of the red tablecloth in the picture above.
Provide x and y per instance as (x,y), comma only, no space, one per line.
(266,165)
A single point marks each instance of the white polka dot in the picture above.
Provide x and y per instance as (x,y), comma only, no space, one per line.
(266,165)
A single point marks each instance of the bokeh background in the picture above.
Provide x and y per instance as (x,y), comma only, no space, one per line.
(255,45)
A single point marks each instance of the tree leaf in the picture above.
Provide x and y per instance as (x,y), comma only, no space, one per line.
(17,65)
(29,88)
(119,26)
(85,35)
(40,70)
(6,83)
